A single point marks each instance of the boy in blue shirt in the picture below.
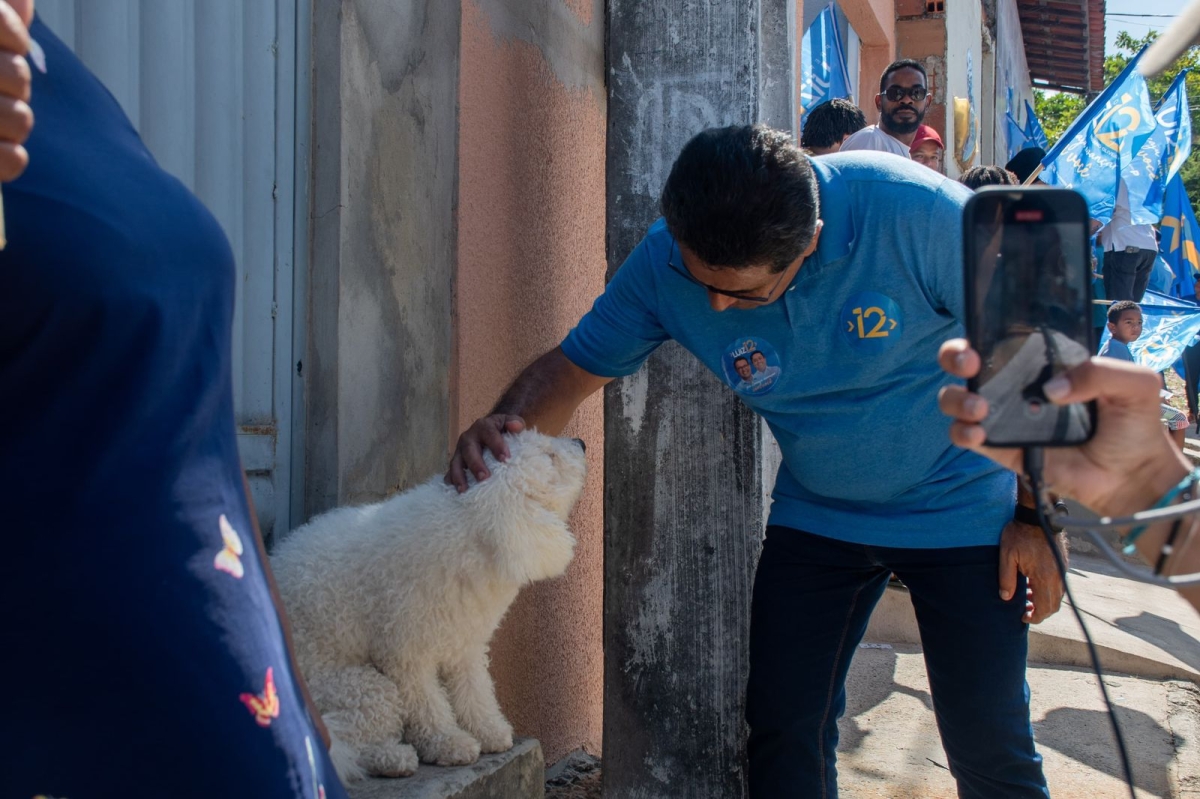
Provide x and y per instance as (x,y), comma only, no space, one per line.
(841,276)
(1125,326)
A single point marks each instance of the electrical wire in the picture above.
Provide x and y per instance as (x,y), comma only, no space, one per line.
(1174,582)
(1092,527)
(1033,462)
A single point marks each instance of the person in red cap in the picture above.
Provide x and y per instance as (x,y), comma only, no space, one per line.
(927,147)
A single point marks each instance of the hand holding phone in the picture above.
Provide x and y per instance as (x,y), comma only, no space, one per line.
(1028,310)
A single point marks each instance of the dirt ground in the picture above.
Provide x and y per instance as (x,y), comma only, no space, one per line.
(580,780)
(586,788)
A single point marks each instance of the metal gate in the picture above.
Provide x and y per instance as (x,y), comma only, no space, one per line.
(211,87)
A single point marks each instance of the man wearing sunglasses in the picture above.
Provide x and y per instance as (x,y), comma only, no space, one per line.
(902,101)
(807,273)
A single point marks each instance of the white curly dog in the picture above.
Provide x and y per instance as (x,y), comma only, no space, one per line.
(392,605)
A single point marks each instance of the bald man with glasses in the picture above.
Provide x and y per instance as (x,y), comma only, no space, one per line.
(902,101)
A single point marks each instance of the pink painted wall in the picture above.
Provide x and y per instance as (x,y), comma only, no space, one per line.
(875,23)
(530,262)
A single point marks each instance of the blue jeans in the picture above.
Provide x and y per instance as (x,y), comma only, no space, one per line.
(812,599)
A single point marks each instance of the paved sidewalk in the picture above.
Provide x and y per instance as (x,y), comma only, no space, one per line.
(890,746)
(1149,643)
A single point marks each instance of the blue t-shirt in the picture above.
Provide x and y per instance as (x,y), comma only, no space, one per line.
(1117,349)
(142,647)
(866,456)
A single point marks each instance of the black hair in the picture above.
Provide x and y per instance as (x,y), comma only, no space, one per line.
(903,63)
(752,353)
(1024,163)
(830,122)
(1121,306)
(979,176)
(742,196)
(741,358)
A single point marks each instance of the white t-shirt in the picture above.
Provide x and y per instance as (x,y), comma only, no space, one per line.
(1121,232)
(873,137)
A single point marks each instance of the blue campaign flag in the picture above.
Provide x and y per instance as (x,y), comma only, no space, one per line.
(1169,326)
(1017,138)
(1162,277)
(1174,118)
(1102,143)
(1163,153)
(1033,128)
(823,73)
(1178,239)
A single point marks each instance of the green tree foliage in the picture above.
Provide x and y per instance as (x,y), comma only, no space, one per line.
(1057,110)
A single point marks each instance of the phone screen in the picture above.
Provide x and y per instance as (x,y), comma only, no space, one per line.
(1028,288)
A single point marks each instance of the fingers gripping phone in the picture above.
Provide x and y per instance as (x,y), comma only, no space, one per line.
(1028,310)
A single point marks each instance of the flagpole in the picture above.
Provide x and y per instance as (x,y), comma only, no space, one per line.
(1032,176)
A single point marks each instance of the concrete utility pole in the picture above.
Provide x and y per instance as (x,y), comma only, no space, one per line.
(684,459)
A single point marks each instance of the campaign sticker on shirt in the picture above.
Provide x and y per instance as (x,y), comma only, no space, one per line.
(751,366)
(871,321)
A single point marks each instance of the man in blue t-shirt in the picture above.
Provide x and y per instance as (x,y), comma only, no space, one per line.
(843,275)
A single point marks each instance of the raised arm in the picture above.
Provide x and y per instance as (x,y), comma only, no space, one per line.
(544,395)
(1128,465)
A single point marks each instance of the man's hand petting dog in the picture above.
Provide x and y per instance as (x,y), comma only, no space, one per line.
(486,434)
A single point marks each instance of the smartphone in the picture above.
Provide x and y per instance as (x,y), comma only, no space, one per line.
(1028,310)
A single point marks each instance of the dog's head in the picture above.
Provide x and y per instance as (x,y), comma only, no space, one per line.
(523,506)
(550,471)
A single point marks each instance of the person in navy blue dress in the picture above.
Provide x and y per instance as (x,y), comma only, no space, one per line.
(144,652)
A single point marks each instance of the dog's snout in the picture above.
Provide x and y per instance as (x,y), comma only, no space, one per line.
(582,445)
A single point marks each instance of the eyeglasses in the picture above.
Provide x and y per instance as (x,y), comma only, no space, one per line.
(897,93)
(735,295)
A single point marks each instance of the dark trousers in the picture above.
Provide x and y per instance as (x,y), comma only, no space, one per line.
(1191,379)
(812,599)
(1126,274)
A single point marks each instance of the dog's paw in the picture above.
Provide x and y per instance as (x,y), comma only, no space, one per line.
(393,759)
(498,738)
(453,749)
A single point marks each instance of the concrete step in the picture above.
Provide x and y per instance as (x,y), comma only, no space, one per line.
(890,747)
(1191,446)
(1139,629)
(519,773)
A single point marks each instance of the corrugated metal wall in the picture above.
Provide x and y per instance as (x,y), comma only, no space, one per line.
(210,85)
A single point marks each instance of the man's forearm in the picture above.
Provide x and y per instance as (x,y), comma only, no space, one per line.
(548,391)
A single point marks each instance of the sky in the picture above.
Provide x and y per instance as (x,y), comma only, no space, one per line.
(1115,22)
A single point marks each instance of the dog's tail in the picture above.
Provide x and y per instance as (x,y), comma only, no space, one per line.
(345,759)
